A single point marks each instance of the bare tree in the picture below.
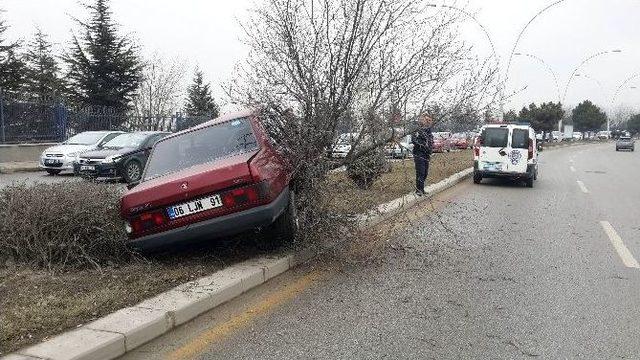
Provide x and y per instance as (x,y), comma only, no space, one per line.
(160,94)
(320,66)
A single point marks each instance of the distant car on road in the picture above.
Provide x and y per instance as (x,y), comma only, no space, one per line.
(220,178)
(59,158)
(625,143)
(507,151)
(124,157)
(400,149)
(604,135)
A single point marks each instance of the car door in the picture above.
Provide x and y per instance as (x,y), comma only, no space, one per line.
(492,156)
(518,150)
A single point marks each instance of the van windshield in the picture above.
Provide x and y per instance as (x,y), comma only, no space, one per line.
(495,137)
(201,146)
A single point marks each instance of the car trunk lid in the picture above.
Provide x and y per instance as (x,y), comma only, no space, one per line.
(188,184)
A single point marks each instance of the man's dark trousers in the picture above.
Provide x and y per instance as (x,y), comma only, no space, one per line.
(422,169)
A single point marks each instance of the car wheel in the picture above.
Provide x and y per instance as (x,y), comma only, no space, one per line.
(53,172)
(530,182)
(617,149)
(283,231)
(132,171)
(477,178)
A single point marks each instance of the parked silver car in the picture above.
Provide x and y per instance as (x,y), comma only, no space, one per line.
(625,143)
(61,157)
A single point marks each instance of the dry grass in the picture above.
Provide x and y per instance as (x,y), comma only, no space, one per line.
(400,181)
(37,304)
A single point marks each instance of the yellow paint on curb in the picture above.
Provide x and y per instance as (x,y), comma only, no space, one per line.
(203,341)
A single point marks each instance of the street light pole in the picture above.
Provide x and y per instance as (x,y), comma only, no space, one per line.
(553,73)
(515,45)
(615,94)
(575,71)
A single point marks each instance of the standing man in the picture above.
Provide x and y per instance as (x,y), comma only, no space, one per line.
(422,141)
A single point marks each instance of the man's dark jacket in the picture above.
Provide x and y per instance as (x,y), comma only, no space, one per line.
(422,141)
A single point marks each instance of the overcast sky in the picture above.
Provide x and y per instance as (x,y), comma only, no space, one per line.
(206,33)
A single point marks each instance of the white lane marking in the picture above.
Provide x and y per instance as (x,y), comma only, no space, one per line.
(582,187)
(572,169)
(624,253)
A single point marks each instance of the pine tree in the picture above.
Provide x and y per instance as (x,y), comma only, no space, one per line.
(11,67)
(199,99)
(42,70)
(104,68)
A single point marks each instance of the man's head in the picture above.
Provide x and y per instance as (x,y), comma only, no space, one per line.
(425,120)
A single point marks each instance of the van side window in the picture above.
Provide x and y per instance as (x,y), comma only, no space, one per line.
(495,137)
(520,139)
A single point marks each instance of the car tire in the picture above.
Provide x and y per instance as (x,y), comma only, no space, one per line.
(132,171)
(53,172)
(617,149)
(477,178)
(530,182)
(283,231)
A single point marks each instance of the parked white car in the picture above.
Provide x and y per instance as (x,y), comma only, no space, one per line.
(604,135)
(507,151)
(556,136)
(577,136)
(60,158)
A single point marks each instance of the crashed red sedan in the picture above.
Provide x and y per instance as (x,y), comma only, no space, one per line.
(217,179)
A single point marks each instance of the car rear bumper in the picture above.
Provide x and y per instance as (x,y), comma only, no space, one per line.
(625,146)
(227,225)
(502,174)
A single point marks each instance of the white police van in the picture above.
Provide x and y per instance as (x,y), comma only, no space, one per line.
(506,150)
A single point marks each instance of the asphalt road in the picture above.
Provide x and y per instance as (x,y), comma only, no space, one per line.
(495,270)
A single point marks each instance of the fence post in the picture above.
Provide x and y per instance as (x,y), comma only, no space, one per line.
(2,115)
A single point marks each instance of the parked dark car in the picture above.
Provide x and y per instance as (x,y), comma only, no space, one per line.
(218,179)
(124,157)
(625,143)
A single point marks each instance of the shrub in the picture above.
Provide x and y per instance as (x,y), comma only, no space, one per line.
(62,225)
(365,170)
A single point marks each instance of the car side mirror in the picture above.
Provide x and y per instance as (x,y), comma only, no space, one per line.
(131,185)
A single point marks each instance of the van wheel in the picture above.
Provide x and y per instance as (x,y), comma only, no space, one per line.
(477,178)
(283,231)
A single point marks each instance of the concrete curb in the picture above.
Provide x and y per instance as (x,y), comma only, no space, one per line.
(122,331)
(8,169)
(393,207)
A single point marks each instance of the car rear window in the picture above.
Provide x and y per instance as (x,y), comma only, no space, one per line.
(625,138)
(520,139)
(495,137)
(201,146)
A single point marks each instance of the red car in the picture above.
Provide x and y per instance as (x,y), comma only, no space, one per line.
(217,179)
(460,141)
(441,142)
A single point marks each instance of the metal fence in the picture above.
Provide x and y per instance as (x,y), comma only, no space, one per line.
(52,121)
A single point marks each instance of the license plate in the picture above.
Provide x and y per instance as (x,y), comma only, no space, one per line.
(493,166)
(50,161)
(87,168)
(194,207)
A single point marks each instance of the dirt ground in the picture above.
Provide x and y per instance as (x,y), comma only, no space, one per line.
(400,181)
(36,304)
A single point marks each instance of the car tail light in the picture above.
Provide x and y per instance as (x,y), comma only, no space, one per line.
(148,220)
(246,195)
(530,155)
(476,146)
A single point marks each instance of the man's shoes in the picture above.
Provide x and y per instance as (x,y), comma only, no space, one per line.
(420,192)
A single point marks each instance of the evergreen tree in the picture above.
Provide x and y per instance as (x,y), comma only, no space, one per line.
(588,117)
(510,116)
(199,99)
(104,68)
(543,118)
(42,70)
(11,66)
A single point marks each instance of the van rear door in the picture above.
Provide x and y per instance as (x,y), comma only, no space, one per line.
(492,155)
(518,150)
